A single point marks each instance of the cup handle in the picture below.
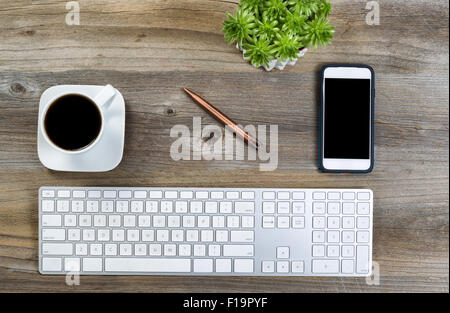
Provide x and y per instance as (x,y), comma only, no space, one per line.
(105,95)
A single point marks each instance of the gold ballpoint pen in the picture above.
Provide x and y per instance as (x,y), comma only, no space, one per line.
(224,119)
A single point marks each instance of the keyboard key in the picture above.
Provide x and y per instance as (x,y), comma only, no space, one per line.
(325,266)
(244,207)
(170,250)
(232,221)
(238,250)
(283,208)
(348,266)
(243,266)
(298,207)
(268,207)
(211,207)
(48,205)
(79,194)
(184,250)
(218,221)
(46,193)
(181,207)
(268,266)
(197,207)
(318,236)
(92,206)
(334,208)
(319,207)
(147,265)
(72,264)
(94,194)
(171,194)
(363,208)
(298,195)
(248,195)
(319,222)
(242,236)
(155,249)
(282,252)
(269,195)
(52,264)
(319,195)
(110,194)
(283,195)
(199,250)
(201,195)
(125,194)
(333,222)
(283,222)
(298,222)
(92,264)
(348,236)
(63,193)
(223,265)
(140,194)
(57,248)
(166,206)
(51,220)
(348,251)
(363,222)
(334,196)
(226,207)
(268,222)
(282,266)
(70,220)
(348,196)
(203,265)
(186,195)
(125,249)
(188,221)
(155,194)
(53,234)
(348,208)
(222,235)
(333,251)
(298,267)
(333,236)
(137,206)
(81,249)
(348,222)
(248,221)
(214,250)
(363,196)
(216,194)
(232,195)
(362,259)
(362,237)
(318,251)
(62,206)
(110,249)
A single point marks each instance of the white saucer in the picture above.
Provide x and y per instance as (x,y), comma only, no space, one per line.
(107,152)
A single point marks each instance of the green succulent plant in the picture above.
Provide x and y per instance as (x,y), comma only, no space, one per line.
(270,29)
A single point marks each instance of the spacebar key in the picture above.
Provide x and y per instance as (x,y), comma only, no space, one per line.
(147,265)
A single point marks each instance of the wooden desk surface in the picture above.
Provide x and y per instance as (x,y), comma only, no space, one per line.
(149,50)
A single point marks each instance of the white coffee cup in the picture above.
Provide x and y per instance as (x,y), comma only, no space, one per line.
(101,101)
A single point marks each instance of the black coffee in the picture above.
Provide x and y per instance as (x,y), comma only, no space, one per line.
(73,122)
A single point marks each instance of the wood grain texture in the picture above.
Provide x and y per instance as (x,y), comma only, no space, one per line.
(149,50)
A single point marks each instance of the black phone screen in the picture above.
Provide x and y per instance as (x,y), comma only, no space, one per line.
(347,118)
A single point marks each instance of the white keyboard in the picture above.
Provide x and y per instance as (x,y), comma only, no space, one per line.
(205,231)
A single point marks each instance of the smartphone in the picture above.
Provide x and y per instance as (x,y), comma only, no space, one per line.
(346,133)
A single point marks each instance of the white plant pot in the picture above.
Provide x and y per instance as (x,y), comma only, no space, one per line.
(271,65)
(276,63)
